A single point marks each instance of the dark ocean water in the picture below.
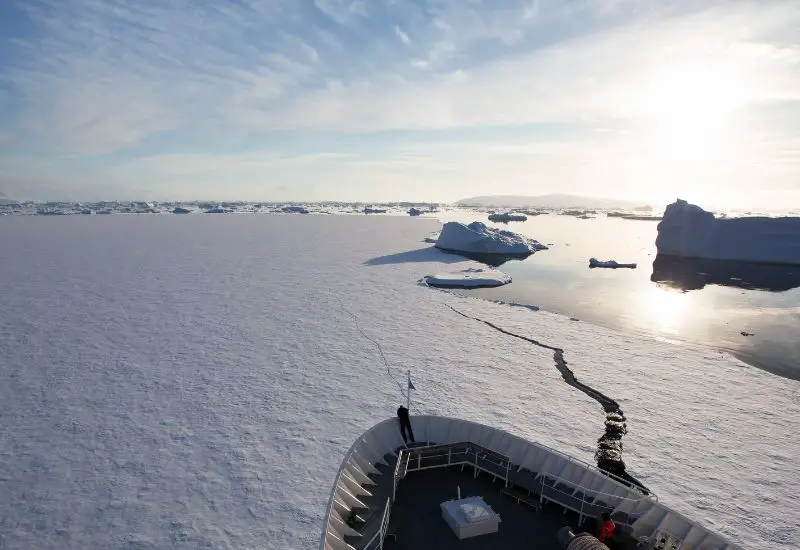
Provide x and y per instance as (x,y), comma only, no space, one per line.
(750,310)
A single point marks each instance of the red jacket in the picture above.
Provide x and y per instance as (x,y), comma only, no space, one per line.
(606,530)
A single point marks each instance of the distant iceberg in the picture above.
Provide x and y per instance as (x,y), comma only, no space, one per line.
(505,217)
(691,232)
(610,264)
(476,238)
(468,278)
(294,210)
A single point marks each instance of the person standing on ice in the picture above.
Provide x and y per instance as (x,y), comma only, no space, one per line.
(405,424)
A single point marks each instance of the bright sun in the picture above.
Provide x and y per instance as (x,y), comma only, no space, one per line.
(688,107)
(688,111)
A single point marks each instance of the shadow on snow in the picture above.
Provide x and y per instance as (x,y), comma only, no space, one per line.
(427,254)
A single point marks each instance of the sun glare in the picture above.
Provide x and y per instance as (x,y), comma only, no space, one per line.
(665,308)
(688,109)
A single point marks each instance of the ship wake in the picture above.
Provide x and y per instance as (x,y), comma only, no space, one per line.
(609,446)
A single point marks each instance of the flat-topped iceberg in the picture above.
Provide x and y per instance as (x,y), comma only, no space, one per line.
(505,217)
(609,264)
(691,232)
(477,238)
(469,278)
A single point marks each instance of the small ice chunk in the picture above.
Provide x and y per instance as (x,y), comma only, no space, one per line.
(611,264)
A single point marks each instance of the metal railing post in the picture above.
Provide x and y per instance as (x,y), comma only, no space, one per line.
(396,475)
(541,493)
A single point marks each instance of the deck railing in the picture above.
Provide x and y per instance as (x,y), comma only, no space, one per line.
(399,472)
(376,542)
(590,466)
(595,494)
(581,499)
(461,453)
(588,497)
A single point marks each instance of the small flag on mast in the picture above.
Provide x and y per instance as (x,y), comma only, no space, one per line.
(408,391)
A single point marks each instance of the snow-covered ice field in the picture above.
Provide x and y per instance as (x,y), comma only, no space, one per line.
(193,382)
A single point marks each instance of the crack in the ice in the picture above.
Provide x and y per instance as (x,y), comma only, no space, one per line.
(609,447)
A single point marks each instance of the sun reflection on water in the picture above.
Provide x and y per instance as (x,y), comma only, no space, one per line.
(666,308)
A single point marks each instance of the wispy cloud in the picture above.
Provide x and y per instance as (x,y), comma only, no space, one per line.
(342,11)
(129,80)
(401,35)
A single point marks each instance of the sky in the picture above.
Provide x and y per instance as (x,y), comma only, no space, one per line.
(387,100)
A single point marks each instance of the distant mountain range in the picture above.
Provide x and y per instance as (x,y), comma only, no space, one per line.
(5,200)
(550,201)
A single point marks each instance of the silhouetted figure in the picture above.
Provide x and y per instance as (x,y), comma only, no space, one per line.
(405,424)
(607,528)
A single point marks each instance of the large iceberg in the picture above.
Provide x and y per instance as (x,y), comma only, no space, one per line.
(691,232)
(476,238)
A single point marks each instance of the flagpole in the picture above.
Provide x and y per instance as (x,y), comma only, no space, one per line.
(408,392)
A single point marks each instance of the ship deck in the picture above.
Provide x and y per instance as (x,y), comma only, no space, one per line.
(417,522)
(422,526)
(390,496)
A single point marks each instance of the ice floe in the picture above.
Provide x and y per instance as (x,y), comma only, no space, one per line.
(469,278)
